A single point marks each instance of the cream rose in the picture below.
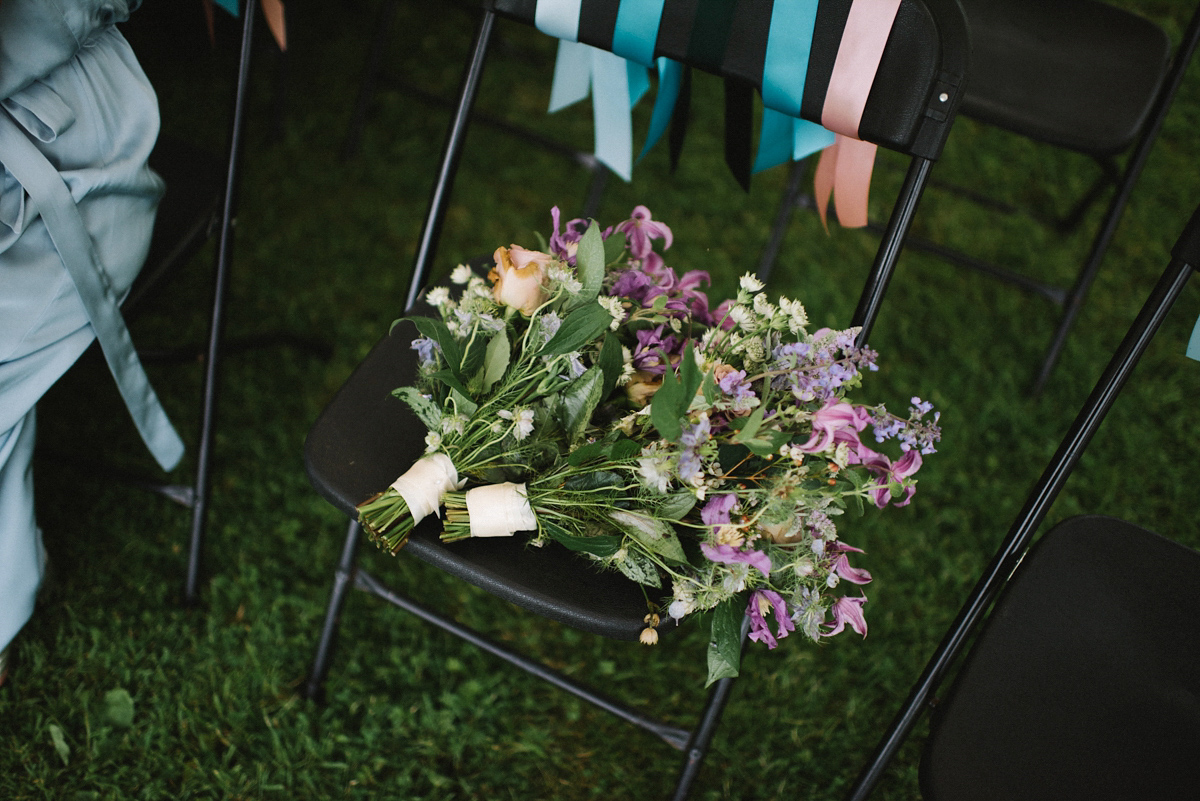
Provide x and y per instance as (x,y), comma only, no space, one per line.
(518,278)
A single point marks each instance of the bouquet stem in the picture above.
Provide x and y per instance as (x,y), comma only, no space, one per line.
(390,517)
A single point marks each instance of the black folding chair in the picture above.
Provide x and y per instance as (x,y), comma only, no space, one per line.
(1084,683)
(1080,75)
(364,438)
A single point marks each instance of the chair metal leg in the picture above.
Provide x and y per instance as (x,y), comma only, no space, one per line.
(217,325)
(366,88)
(793,197)
(1133,169)
(343,578)
(697,747)
(451,152)
(1021,534)
(889,249)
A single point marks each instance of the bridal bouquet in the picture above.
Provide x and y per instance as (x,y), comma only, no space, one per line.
(587,394)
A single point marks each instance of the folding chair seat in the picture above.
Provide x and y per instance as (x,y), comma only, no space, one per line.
(1083,682)
(364,438)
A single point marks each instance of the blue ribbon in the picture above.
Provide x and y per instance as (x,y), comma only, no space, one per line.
(616,80)
(784,135)
(1193,348)
(229,5)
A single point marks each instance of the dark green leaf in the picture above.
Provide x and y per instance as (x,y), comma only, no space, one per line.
(624,449)
(599,545)
(640,568)
(589,263)
(426,410)
(579,401)
(677,505)
(614,247)
(725,648)
(581,326)
(585,453)
(611,362)
(666,407)
(495,361)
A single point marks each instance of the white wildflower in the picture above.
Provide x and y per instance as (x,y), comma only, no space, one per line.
(797,316)
(750,283)
(438,297)
(614,307)
(433,441)
(461,274)
(561,276)
(655,473)
(522,421)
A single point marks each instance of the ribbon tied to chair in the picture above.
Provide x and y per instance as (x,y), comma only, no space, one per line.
(617,79)
(272,11)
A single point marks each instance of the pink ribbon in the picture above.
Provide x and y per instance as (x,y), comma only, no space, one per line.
(844,169)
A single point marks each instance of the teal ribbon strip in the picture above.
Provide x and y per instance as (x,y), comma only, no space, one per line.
(229,5)
(1193,348)
(670,79)
(784,135)
(616,81)
(70,237)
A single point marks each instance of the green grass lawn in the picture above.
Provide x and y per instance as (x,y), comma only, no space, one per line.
(324,248)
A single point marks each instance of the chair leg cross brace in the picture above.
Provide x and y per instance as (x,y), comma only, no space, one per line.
(693,743)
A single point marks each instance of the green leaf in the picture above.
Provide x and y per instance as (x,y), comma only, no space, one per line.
(624,449)
(495,361)
(582,325)
(593,480)
(585,453)
(640,568)
(666,407)
(579,401)
(725,648)
(690,376)
(675,506)
(653,534)
(768,444)
(599,545)
(60,744)
(589,263)
(118,708)
(611,362)
(426,410)
(452,381)
(747,426)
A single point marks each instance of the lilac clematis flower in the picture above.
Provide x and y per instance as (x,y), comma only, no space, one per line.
(841,565)
(761,602)
(887,471)
(729,555)
(716,510)
(834,423)
(639,230)
(564,244)
(654,350)
(847,612)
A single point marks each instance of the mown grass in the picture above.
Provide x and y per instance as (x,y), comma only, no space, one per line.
(324,248)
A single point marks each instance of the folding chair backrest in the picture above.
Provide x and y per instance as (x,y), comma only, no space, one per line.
(909,108)
(1085,682)
(912,99)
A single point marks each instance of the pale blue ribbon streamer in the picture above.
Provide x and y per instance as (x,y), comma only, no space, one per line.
(616,81)
(69,235)
(1193,348)
(784,135)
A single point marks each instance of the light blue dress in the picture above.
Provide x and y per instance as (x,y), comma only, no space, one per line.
(73,101)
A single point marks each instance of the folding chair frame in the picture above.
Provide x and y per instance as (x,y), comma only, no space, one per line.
(695,743)
(1185,259)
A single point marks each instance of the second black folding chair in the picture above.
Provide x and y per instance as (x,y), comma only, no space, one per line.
(365,437)
(1083,683)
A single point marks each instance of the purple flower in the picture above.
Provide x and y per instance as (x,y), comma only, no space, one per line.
(761,602)
(639,231)
(887,471)
(729,555)
(426,348)
(847,612)
(654,350)
(734,384)
(716,510)
(841,565)
(692,439)
(834,423)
